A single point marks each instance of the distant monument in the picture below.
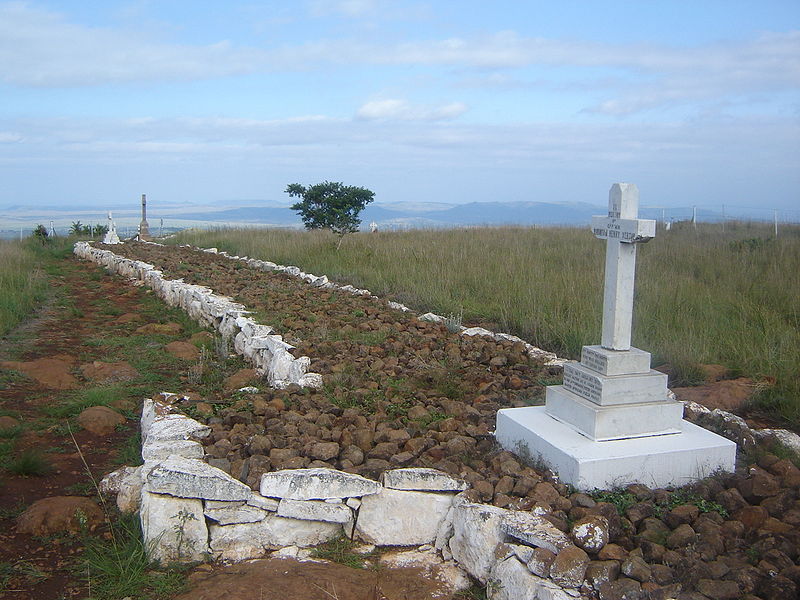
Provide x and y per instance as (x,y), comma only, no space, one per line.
(373,227)
(144,228)
(111,236)
(613,421)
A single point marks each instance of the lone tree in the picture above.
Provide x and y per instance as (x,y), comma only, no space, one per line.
(330,205)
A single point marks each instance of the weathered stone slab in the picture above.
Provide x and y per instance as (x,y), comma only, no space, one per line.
(534,530)
(228,513)
(401,518)
(259,501)
(315,484)
(175,427)
(315,510)
(421,479)
(606,390)
(514,582)
(188,478)
(252,540)
(155,449)
(476,534)
(173,529)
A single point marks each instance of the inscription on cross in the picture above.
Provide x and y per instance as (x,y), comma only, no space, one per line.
(622,230)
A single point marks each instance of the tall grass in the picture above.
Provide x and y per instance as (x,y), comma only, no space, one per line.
(702,295)
(22,283)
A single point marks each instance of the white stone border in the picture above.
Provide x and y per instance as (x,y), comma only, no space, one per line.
(549,358)
(268,352)
(191,511)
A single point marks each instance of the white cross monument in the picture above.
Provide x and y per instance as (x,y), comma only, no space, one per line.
(613,421)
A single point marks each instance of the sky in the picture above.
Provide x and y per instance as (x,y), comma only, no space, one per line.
(698,103)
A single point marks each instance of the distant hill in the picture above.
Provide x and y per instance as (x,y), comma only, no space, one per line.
(420,214)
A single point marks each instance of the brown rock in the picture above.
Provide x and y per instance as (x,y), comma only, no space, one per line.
(777,588)
(662,574)
(752,517)
(60,513)
(50,372)
(621,589)
(504,485)
(7,423)
(160,329)
(569,567)
(324,450)
(383,451)
(601,571)
(685,513)
(612,552)
(240,379)
(545,493)
(109,372)
(590,533)
(683,535)
(183,350)
(100,420)
(540,562)
(484,489)
(731,500)
(635,568)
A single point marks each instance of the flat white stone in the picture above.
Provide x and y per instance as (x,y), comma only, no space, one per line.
(237,512)
(476,534)
(401,518)
(188,478)
(173,529)
(259,501)
(154,449)
(315,484)
(515,582)
(534,530)
(252,540)
(315,510)
(175,427)
(422,479)
(608,390)
(601,423)
(660,461)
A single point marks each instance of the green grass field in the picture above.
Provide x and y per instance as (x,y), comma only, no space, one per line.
(702,296)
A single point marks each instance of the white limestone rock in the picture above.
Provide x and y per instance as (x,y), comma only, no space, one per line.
(315,484)
(315,510)
(423,480)
(174,427)
(228,513)
(431,317)
(476,534)
(188,478)
(173,529)
(252,540)
(401,518)
(111,482)
(510,580)
(259,501)
(535,531)
(155,449)
(787,438)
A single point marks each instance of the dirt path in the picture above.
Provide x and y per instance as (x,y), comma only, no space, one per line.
(76,353)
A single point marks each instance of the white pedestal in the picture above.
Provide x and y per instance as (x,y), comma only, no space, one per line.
(659,461)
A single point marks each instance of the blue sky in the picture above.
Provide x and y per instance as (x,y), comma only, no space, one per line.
(441,101)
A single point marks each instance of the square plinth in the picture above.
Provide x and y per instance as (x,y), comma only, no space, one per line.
(601,423)
(606,390)
(660,461)
(615,362)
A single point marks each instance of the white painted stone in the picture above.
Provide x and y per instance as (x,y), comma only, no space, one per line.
(315,484)
(173,529)
(315,510)
(523,553)
(311,380)
(422,479)
(476,534)
(175,427)
(259,501)
(433,318)
(401,518)
(787,438)
(612,362)
(235,512)
(129,496)
(161,449)
(602,423)
(111,482)
(607,390)
(659,461)
(534,530)
(354,503)
(252,540)
(511,580)
(432,567)
(188,478)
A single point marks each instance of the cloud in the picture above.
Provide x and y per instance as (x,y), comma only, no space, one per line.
(402,110)
(40,49)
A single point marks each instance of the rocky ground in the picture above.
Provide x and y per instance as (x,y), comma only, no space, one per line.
(404,392)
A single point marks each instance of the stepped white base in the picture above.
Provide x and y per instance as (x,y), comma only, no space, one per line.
(659,461)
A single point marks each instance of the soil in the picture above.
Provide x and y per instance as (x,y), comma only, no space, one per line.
(49,350)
